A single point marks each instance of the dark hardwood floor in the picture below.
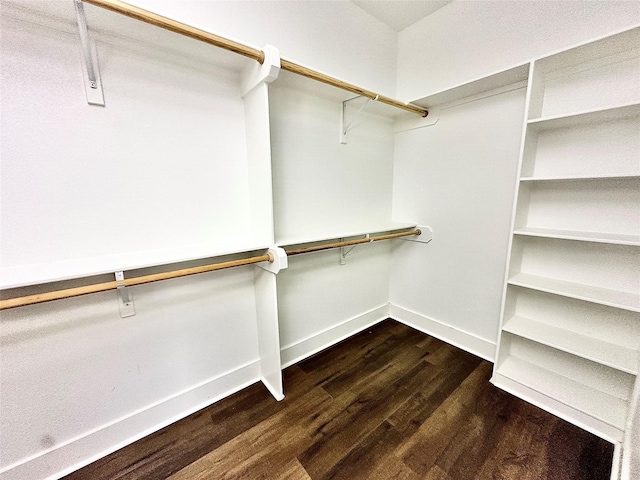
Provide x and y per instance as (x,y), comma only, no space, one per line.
(388,403)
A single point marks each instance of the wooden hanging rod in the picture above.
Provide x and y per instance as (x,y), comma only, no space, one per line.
(239,48)
(127,282)
(178,27)
(347,243)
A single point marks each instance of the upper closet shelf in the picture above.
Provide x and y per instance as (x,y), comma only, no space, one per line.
(598,237)
(562,178)
(613,298)
(345,233)
(577,119)
(481,85)
(34,274)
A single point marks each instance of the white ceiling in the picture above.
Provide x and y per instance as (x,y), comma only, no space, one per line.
(399,14)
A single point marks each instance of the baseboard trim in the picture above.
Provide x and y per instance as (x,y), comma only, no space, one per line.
(53,464)
(458,338)
(298,351)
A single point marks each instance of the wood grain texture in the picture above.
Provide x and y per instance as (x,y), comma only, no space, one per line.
(388,403)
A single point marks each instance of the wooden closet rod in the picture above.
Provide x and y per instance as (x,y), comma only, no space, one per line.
(258,55)
(127,282)
(347,243)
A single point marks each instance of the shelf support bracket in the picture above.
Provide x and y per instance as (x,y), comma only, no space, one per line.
(125,300)
(344,126)
(90,67)
(344,251)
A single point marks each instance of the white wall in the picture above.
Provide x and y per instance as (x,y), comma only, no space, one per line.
(335,37)
(457,176)
(467,40)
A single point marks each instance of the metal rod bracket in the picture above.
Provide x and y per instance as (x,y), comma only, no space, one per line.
(344,126)
(125,300)
(90,67)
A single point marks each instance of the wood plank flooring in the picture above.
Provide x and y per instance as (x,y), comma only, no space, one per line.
(388,403)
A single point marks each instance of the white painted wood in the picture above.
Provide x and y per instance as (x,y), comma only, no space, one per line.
(602,149)
(464,340)
(605,266)
(553,406)
(258,145)
(590,293)
(475,87)
(590,348)
(618,327)
(600,237)
(607,205)
(268,331)
(580,384)
(577,118)
(594,76)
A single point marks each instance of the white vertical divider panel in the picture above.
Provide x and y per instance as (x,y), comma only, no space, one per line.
(256,103)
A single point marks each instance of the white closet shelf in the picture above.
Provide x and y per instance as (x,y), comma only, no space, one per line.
(576,119)
(590,348)
(500,79)
(597,237)
(580,177)
(584,398)
(612,298)
(34,274)
(332,235)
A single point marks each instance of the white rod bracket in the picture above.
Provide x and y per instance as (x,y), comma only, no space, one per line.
(344,126)
(125,300)
(280,260)
(90,66)
(425,237)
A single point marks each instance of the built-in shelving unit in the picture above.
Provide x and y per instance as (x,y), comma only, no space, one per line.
(570,328)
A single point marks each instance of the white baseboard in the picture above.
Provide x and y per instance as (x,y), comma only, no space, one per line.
(458,338)
(54,463)
(298,351)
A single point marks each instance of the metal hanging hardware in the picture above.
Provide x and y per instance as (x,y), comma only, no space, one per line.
(90,67)
(344,127)
(125,300)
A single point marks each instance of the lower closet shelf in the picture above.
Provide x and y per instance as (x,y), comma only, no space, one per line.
(590,293)
(590,348)
(607,408)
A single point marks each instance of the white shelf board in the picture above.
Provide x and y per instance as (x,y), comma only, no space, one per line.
(579,178)
(613,298)
(499,79)
(584,398)
(576,119)
(34,274)
(332,235)
(597,237)
(594,349)
(566,412)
